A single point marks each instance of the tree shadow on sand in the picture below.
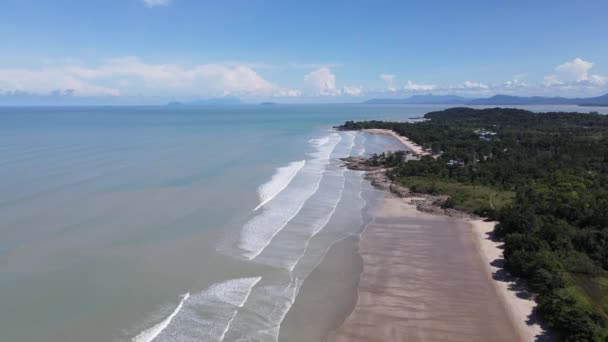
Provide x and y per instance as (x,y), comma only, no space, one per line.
(520,288)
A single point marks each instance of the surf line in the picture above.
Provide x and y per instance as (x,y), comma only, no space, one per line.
(150,334)
(269,229)
(255,281)
(286,174)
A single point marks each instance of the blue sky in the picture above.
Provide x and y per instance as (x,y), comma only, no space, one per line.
(306,51)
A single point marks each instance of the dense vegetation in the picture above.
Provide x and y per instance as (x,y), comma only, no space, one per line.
(544,176)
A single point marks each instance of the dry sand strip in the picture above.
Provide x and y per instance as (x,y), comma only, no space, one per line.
(423,280)
(520,305)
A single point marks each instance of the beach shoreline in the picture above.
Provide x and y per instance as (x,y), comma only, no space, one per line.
(518,301)
(330,292)
(422,280)
(518,304)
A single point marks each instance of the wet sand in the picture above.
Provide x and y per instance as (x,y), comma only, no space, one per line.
(423,280)
(327,297)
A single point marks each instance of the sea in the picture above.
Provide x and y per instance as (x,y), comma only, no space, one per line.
(175,223)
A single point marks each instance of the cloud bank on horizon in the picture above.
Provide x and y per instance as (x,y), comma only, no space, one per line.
(128,76)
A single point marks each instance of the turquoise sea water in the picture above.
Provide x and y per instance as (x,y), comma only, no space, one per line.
(172,223)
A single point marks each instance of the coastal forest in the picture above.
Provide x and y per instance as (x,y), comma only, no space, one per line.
(544,177)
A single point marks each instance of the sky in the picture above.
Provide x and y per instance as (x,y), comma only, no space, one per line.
(154,51)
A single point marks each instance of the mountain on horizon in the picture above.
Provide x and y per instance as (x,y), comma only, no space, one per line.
(495,100)
(423,99)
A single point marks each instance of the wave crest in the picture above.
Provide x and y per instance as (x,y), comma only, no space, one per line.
(279,181)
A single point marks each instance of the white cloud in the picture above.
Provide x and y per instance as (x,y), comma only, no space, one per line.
(125,72)
(598,80)
(515,83)
(475,85)
(288,93)
(574,75)
(132,76)
(466,86)
(46,80)
(572,78)
(411,86)
(575,70)
(238,79)
(353,91)
(322,81)
(389,79)
(511,84)
(155,3)
(551,80)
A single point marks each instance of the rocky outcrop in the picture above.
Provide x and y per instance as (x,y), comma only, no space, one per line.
(377,175)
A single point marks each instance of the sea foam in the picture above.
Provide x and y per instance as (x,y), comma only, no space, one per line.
(287,248)
(317,142)
(294,251)
(151,333)
(279,181)
(205,316)
(259,231)
(292,248)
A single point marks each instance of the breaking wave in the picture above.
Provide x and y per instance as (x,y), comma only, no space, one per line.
(205,316)
(279,181)
(259,231)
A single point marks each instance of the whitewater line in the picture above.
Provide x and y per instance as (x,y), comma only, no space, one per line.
(325,216)
(274,330)
(150,334)
(323,162)
(318,142)
(316,231)
(331,214)
(223,335)
(291,170)
(251,256)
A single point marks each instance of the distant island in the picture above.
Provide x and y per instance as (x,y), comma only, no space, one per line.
(228,100)
(494,100)
(594,105)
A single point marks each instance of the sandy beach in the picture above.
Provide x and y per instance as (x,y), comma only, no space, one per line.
(519,303)
(423,280)
(431,277)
